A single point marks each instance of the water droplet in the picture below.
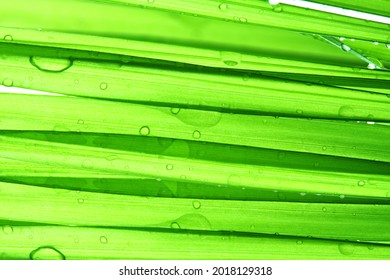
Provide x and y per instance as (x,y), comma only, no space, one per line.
(346,111)
(361,183)
(370,122)
(371,66)
(277,8)
(87,163)
(302,194)
(299,242)
(8,38)
(245,77)
(324,148)
(345,48)
(223,7)
(150,1)
(324,209)
(103,239)
(243,20)
(370,247)
(76,240)
(145,130)
(196,204)
(274,2)
(234,180)
(175,225)
(169,166)
(7,229)
(196,134)
(281,196)
(342,196)
(346,249)
(112,157)
(8,82)
(281,155)
(80,200)
(230,58)
(103,86)
(76,82)
(376,43)
(175,111)
(299,112)
(342,39)
(80,121)
(50,64)
(46,253)
(388,46)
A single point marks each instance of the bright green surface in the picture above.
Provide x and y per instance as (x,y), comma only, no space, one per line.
(195,129)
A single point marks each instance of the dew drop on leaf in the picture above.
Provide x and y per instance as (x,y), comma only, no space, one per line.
(8,82)
(196,204)
(145,130)
(103,239)
(46,253)
(7,229)
(103,86)
(196,134)
(346,249)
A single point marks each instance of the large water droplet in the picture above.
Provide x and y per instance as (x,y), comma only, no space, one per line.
(361,183)
(230,58)
(8,38)
(196,134)
(169,166)
(103,239)
(175,111)
(103,86)
(8,82)
(194,221)
(175,225)
(7,229)
(50,64)
(80,121)
(145,130)
(46,253)
(299,242)
(223,7)
(196,204)
(346,249)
